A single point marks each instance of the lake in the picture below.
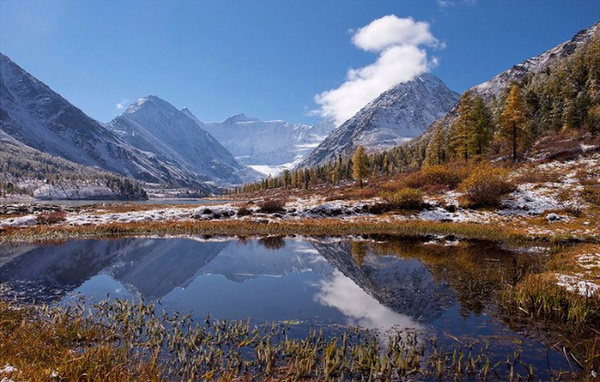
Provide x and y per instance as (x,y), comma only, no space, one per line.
(434,287)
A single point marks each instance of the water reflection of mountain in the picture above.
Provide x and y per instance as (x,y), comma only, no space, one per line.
(240,262)
(404,285)
(47,272)
(156,267)
(149,267)
(153,268)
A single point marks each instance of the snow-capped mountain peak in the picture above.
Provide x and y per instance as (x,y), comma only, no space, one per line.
(154,125)
(400,113)
(239,118)
(266,146)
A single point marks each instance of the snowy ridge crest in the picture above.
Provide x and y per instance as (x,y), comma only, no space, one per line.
(399,114)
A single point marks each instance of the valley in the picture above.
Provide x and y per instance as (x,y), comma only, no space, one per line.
(431,236)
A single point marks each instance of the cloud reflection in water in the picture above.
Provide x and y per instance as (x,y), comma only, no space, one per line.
(360,308)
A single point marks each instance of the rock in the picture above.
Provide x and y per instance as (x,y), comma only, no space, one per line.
(552,217)
(327,209)
(451,208)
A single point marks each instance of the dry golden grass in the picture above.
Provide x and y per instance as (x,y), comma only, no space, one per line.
(567,261)
(352,194)
(70,348)
(135,207)
(314,227)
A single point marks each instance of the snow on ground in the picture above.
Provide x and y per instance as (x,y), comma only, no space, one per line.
(574,283)
(528,200)
(6,372)
(21,221)
(589,261)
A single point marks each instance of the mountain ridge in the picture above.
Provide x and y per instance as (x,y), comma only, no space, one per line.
(400,113)
(35,115)
(270,145)
(154,125)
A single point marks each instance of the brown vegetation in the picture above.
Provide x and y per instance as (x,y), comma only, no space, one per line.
(485,186)
(52,217)
(272,206)
(404,199)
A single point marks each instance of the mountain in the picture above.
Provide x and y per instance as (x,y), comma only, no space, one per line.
(559,86)
(494,87)
(397,115)
(154,125)
(33,114)
(266,146)
(404,285)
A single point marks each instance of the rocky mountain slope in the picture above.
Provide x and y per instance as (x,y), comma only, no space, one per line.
(489,90)
(397,115)
(267,146)
(535,75)
(31,113)
(154,125)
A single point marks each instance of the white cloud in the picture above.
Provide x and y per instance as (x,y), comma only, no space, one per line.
(390,31)
(122,105)
(401,58)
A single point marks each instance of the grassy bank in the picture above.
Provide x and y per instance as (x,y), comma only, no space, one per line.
(313,227)
(570,317)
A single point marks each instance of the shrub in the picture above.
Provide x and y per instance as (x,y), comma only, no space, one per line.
(573,208)
(51,217)
(533,175)
(485,187)
(271,206)
(591,194)
(244,211)
(353,194)
(377,208)
(435,178)
(404,199)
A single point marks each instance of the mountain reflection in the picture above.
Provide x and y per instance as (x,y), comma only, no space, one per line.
(360,308)
(332,281)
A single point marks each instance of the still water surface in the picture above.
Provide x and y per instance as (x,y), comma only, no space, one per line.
(436,288)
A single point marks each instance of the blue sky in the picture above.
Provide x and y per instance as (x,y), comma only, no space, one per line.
(269,59)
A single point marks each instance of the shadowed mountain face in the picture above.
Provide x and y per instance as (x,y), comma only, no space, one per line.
(33,114)
(152,141)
